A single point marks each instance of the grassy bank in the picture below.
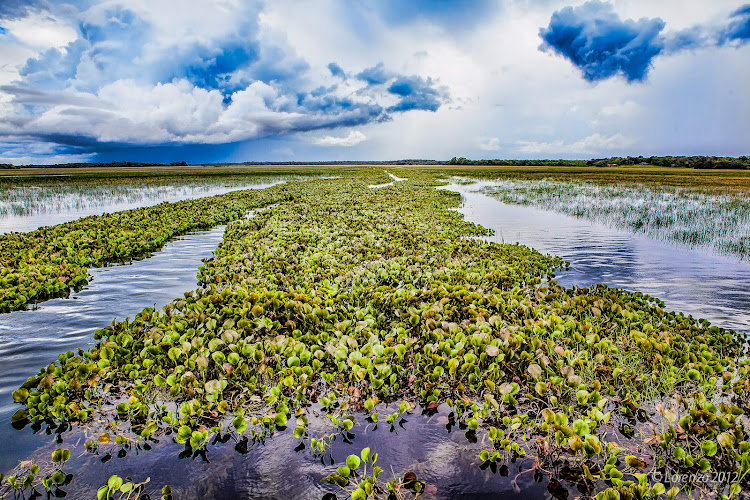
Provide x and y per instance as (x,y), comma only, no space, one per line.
(342,298)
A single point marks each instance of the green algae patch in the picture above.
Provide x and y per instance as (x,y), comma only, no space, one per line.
(342,297)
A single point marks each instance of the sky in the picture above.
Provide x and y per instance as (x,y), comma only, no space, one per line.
(207,81)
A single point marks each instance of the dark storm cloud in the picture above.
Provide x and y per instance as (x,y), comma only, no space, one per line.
(602,45)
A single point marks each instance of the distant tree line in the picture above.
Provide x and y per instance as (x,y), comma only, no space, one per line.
(7,166)
(338,162)
(111,164)
(742,162)
(518,163)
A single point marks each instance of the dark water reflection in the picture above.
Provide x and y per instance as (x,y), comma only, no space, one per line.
(693,281)
(441,456)
(32,339)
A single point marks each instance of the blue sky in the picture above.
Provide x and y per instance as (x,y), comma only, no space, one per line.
(231,80)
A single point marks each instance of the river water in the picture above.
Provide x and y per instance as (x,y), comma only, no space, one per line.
(694,281)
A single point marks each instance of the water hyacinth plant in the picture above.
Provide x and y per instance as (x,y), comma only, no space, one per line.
(342,298)
(33,478)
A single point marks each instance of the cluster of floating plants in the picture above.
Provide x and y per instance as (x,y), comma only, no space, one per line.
(690,216)
(118,488)
(51,261)
(34,478)
(349,301)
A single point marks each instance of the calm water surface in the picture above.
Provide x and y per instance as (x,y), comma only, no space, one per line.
(693,281)
(443,456)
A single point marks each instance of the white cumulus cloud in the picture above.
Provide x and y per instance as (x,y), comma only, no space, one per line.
(592,144)
(354,138)
(491,144)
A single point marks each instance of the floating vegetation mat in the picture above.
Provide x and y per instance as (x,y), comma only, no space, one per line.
(51,261)
(350,302)
(690,216)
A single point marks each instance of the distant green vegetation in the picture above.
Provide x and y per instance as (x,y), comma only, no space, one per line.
(719,221)
(518,163)
(700,162)
(344,299)
(113,164)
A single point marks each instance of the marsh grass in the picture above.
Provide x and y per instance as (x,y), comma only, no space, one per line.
(716,220)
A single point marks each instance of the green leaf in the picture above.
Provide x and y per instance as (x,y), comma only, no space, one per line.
(336,479)
(60,455)
(239,424)
(213,387)
(709,448)
(114,483)
(101,493)
(20,395)
(183,434)
(280,420)
(353,462)
(581,428)
(196,440)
